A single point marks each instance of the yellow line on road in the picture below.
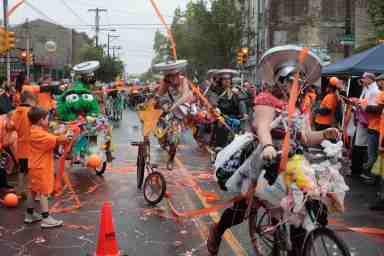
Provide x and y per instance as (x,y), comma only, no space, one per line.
(228,236)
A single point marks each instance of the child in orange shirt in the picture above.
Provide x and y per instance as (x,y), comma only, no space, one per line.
(41,168)
(23,127)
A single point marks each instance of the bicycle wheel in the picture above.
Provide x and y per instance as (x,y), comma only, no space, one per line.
(323,241)
(265,238)
(140,163)
(154,188)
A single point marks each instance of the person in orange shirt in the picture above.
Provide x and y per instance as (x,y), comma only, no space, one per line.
(23,127)
(325,115)
(309,99)
(41,167)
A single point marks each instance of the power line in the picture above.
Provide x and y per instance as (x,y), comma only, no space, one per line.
(74,12)
(37,10)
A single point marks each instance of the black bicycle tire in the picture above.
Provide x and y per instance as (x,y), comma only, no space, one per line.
(252,229)
(326,232)
(163,188)
(140,163)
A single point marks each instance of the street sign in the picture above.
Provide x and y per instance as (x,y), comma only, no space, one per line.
(346,40)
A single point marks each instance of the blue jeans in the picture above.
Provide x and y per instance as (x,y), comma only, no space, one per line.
(373,149)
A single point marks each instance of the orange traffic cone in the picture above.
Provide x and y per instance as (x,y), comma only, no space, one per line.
(107,243)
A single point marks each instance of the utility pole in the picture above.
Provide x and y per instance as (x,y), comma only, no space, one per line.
(348,26)
(5,21)
(113,50)
(97,22)
(27,38)
(109,37)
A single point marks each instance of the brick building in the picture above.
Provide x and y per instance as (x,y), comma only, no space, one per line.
(318,24)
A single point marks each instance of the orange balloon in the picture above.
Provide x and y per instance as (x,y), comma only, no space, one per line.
(334,81)
(11,200)
(94,161)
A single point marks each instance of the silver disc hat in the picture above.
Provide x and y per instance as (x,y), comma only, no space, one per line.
(86,68)
(228,73)
(212,72)
(282,61)
(170,66)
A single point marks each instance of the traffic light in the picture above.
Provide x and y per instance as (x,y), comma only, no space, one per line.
(30,59)
(240,59)
(7,40)
(10,40)
(3,34)
(24,56)
(242,56)
(245,52)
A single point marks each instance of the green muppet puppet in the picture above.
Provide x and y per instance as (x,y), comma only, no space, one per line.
(77,101)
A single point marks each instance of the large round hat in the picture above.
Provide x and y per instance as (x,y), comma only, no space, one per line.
(212,72)
(87,67)
(281,61)
(229,73)
(170,66)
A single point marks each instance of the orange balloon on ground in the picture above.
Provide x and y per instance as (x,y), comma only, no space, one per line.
(334,81)
(10,200)
(94,161)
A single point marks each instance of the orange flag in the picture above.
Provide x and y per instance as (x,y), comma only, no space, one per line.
(149,117)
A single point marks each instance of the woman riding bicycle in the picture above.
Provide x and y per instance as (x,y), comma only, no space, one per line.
(280,67)
(176,89)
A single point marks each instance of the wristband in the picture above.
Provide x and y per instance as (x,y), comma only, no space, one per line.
(267,146)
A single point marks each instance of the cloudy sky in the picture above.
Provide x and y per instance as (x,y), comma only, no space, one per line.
(134,20)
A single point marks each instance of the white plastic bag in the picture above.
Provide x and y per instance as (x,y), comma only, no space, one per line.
(273,194)
(238,143)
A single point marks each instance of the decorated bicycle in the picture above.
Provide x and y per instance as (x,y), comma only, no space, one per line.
(284,197)
(78,111)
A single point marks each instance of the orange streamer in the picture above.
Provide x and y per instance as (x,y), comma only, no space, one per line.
(13,8)
(293,95)
(169,32)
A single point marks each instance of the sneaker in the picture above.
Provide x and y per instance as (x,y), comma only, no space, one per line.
(32,218)
(50,222)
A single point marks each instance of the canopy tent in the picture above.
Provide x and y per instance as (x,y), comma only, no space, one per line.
(371,60)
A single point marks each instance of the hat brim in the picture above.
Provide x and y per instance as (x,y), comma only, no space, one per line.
(227,72)
(275,57)
(86,67)
(380,77)
(171,67)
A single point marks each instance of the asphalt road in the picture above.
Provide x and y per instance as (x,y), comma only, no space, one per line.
(144,230)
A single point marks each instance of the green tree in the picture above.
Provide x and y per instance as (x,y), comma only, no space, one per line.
(109,69)
(376,11)
(206,34)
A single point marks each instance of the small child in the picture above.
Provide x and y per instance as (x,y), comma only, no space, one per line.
(41,167)
(23,129)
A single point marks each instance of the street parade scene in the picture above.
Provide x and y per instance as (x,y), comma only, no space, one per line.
(180,127)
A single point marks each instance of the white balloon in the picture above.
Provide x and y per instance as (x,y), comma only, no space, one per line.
(50,46)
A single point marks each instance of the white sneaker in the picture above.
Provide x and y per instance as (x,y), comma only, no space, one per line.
(32,218)
(50,222)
